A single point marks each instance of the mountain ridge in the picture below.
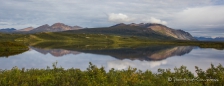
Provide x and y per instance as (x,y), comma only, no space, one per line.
(57,27)
(162,29)
(143,29)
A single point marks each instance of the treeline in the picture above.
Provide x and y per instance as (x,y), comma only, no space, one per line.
(94,76)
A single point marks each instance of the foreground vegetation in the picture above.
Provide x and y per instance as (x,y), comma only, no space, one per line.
(93,76)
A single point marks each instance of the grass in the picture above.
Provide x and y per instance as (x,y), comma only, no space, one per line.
(84,38)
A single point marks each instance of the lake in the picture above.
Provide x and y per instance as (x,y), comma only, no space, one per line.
(143,58)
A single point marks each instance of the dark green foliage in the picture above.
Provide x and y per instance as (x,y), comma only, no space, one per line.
(10,48)
(95,76)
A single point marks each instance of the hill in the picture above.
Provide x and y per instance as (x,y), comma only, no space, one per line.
(163,30)
(155,31)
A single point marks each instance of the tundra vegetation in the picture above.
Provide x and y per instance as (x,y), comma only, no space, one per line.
(94,76)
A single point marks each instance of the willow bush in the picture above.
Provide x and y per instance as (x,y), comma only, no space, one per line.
(94,76)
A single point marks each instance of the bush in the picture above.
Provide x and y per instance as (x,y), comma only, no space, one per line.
(55,76)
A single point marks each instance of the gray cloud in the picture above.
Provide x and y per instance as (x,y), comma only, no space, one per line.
(200,17)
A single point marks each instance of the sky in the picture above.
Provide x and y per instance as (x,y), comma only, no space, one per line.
(198,17)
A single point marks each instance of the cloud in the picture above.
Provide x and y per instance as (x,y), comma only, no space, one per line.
(124,64)
(119,18)
(154,20)
(5,23)
(200,17)
(199,21)
(122,18)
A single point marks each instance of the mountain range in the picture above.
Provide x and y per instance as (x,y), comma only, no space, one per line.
(209,38)
(156,31)
(57,27)
(6,30)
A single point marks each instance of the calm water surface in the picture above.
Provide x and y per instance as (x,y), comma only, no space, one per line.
(147,58)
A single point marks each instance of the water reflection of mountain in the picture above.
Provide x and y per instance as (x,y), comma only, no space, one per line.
(55,52)
(148,53)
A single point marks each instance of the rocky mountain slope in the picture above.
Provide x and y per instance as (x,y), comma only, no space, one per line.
(164,30)
(26,29)
(57,27)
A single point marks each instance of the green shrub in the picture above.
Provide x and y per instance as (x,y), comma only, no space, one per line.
(94,76)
